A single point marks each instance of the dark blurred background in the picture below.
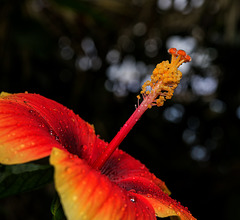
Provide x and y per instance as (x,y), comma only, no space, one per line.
(93,57)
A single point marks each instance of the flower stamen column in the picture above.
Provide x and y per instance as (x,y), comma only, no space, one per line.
(164,80)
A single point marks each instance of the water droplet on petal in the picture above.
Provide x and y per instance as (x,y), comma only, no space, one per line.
(84,147)
(14,151)
(41,125)
(6,160)
(149,195)
(56,153)
(68,169)
(123,209)
(75,198)
(133,199)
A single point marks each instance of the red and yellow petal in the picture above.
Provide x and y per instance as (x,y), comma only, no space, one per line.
(165,206)
(130,174)
(24,136)
(121,166)
(87,194)
(31,125)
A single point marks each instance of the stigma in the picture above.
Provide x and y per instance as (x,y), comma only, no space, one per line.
(164,79)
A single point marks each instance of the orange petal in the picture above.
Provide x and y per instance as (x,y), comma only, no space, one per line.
(165,206)
(87,194)
(31,125)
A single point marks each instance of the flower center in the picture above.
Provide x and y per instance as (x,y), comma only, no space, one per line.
(164,80)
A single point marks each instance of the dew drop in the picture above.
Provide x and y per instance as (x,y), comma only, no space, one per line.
(51,132)
(123,209)
(75,198)
(55,153)
(41,125)
(133,199)
(68,170)
(132,190)
(84,148)
(149,195)
(6,160)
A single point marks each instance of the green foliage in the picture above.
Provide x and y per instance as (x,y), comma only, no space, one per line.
(56,209)
(24,177)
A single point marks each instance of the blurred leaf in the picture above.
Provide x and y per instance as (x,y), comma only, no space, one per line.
(56,209)
(120,7)
(75,5)
(87,8)
(24,177)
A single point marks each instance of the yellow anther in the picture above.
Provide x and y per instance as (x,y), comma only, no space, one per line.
(165,78)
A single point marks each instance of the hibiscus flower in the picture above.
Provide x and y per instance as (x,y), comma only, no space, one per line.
(94,179)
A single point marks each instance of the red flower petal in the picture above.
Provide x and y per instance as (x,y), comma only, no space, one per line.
(31,125)
(131,175)
(87,194)
(121,166)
